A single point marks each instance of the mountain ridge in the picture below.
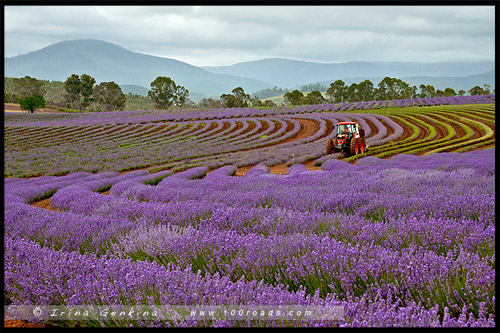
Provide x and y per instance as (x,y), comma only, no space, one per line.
(284,72)
(109,62)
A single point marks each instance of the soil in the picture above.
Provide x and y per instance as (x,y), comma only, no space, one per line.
(373,128)
(9,107)
(20,324)
(45,203)
(406,130)
(307,128)
(423,131)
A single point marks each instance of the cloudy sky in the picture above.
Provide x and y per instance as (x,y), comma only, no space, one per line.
(225,35)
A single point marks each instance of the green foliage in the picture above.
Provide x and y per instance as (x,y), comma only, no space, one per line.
(109,96)
(79,90)
(294,97)
(477,90)
(138,102)
(314,97)
(337,91)
(166,93)
(270,92)
(238,98)
(392,88)
(31,103)
(313,86)
(427,91)
(28,86)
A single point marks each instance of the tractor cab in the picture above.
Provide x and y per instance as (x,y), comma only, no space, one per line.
(347,128)
(349,138)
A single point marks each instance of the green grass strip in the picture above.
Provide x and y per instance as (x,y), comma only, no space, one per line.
(476,146)
(381,151)
(445,140)
(488,134)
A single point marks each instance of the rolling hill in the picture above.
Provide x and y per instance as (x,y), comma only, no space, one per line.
(439,82)
(286,73)
(108,62)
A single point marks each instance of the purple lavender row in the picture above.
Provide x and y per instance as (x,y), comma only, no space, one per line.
(222,172)
(295,130)
(466,187)
(13,138)
(84,194)
(221,135)
(272,136)
(31,190)
(89,280)
(122,186)
(240,136)
(398,131)
(190,174)
(220,113)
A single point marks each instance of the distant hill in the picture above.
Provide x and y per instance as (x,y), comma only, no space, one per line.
(441,82)
(108,62)
(286,73)
(136,90)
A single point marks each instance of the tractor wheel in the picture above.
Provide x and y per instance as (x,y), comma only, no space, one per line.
(353,147)
(362,145)
(329,146)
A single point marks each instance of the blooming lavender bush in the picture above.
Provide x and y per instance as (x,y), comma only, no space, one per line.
(408,242)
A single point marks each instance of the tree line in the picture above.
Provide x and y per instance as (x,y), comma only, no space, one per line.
(81,93)
(387,89)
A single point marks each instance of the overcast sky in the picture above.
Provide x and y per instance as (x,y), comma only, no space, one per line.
(225,35)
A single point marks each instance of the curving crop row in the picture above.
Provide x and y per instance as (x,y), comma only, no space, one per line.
(413,244)
(188,143)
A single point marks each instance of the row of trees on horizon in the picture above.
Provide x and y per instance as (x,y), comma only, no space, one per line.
(82,93)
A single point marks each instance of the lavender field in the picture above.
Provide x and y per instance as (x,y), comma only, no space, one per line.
(407,241)
(38,144)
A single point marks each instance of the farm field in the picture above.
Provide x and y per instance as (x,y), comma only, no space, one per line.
(186,210)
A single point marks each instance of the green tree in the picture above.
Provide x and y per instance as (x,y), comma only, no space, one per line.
(486,89)
(165,93)
(242,99)
(392,88)
(228,100)
(79,90)
(31,103)
(337,91)
(255,101)
(238,98)
(210,103)
(477,90)
(366,90)
(268,102)
(294,97)
(450,92)
(314,97)
(427,91)
(461,92)
(109,96)
(181,95)
(351,93)
(28,86)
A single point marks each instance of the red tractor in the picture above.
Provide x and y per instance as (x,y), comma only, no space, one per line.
(350,139)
